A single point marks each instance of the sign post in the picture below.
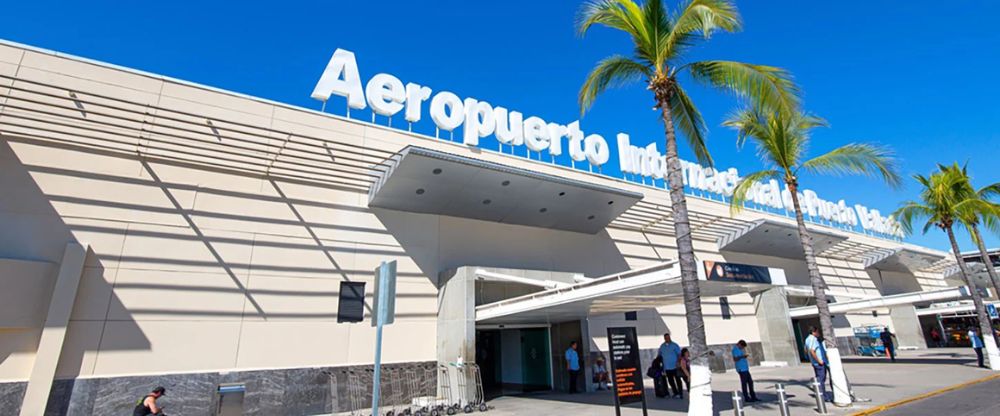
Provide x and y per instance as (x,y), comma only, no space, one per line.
(385,314)
(626,371)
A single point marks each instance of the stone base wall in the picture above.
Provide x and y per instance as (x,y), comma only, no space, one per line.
(720,361)
(296,391)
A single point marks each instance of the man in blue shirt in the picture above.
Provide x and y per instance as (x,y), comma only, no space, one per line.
(817,357)
(740,357)
(977,345)
(573,366)
(669,353)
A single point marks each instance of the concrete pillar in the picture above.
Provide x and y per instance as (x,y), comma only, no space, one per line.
(586,356)
(456,323)
(906,326)
(36,396)
(775,324)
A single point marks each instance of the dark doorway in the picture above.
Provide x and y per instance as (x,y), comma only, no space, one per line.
(488,357)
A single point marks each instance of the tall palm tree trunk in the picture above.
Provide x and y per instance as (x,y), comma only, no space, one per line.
(701,375)
(841,391)
(985,328)
(986,260)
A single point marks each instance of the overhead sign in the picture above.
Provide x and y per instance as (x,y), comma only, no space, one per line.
(626,368)
(735,272)
(991,309)
(388,96)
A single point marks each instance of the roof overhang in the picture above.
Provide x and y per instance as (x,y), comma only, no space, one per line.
(861,305)
(903,259)
(645,288)
(775,238)
(434,182)
(951,308)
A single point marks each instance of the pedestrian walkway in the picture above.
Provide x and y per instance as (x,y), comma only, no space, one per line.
(913,373)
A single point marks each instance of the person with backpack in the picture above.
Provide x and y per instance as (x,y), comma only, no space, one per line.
(147,406)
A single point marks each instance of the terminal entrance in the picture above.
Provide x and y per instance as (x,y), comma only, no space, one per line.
(514,360)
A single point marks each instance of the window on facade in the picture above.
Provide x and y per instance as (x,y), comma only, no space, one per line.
(727,313)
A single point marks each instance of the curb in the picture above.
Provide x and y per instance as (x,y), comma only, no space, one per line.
(898,403)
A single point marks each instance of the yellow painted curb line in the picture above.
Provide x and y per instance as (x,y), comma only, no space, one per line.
(888,406)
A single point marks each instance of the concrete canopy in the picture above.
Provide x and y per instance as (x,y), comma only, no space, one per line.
(940,295)
(775,238)
(904,259)
(632,290)
(433,182)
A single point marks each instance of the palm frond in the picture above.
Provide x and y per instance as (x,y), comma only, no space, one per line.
(706,16)
(910,213)
(857,158)
(745,185)
(698,18)
(688,120)
(610,13)
(612,71)
(765,87)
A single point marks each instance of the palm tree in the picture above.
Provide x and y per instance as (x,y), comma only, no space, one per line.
(945,198)
(660,42)
(977,215)
(781,139)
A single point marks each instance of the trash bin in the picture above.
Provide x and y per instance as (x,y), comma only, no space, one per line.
(231,399)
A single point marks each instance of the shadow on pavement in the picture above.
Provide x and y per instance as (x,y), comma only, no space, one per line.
(722,401)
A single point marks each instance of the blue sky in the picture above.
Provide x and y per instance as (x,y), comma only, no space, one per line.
(918,75)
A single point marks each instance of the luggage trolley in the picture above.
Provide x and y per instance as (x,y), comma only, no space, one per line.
(479,395)
(395,396)
(355,393)
(445,404)
(413,388)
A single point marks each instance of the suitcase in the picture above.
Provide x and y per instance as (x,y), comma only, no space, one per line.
(660,387)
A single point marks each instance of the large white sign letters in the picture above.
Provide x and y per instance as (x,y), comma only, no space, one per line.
(388,96)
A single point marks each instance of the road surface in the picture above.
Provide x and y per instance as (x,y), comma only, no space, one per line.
(981,399)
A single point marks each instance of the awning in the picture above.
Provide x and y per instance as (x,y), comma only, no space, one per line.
(633,290)
(433,182)
(941,295)
(903,259)
(775,238)
(952,308)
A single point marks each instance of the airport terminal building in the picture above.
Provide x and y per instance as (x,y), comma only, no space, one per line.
(158,232)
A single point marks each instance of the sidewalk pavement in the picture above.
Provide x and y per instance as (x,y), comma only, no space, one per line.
(913,373)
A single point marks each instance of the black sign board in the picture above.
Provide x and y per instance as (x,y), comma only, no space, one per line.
(626,370)
(351,307)
(735,272)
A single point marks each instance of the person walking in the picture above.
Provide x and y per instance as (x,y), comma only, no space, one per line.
(572,366)
(936,337)
(147,406)
(684,366)
(817,357)
(740,357)
(890,350)
(670,353)
(977,345)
